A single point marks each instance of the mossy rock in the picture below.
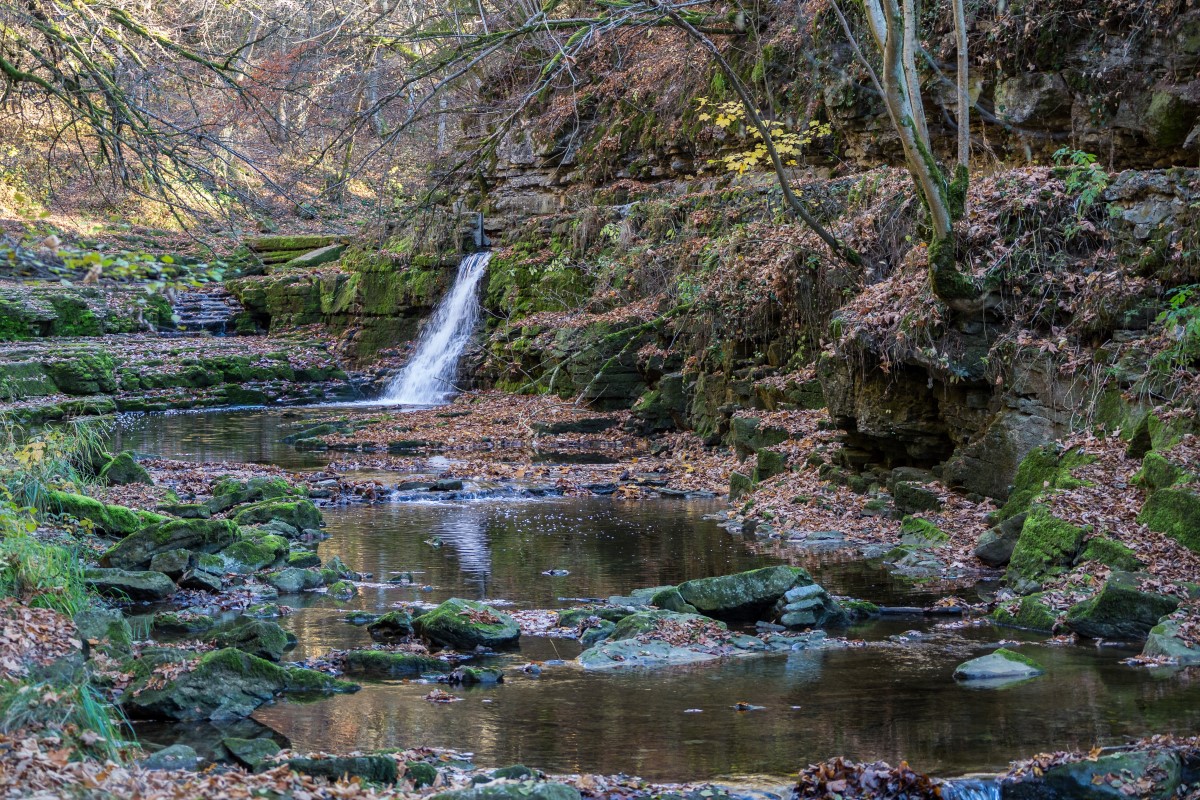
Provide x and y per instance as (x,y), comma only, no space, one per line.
(342,590)
(523,790)
(301,514)
(123,584)
(198,535)
(910,497)
(921,533)
(303,559)
(1043,470)
(748,435)
(1157,472)
(1032,614)
(671,600)
(572,617)
(108,519)
(740,485)
(181,624)
(227,492)
(258,637)
(380,769)
(769,463)
(1175,512)
(83,373)
(1003,664)
(392,626)
(466,624)
(1047,547)
(223,685)
(383,664)
(123,470)
(251,753)
(185,510)
(744,595)
(1089,779)
(105,629)
(1110,553)
(1120,610)
(1166,641)
(293,580)
(421,774)
(172,563)
(249,556)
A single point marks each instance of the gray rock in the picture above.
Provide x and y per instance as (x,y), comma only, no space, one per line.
(172,563)
(201,535)
(995,547)
(293,580)
(1164,641)
(1119,610)
(250,753)
(1002,664)
(126,585)
(175,757)
(466,624)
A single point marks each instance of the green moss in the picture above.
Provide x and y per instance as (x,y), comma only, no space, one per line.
(1111,553)
(921,532)
(301,514)
(1013,655)
(1047,546)
(1040,472)
(74,318)
(1032,614)
(1157,472)
(1175,512)
(109,519)
(83,372)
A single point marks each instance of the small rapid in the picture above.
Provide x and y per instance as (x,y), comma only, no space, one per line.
(428,378)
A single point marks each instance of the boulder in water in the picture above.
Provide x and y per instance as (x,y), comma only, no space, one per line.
(744,595)
(200,535)
(1003,664)
(125,585)
(1120,610)
(466,624)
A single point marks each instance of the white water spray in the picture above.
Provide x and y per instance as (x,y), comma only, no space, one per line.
(428,377)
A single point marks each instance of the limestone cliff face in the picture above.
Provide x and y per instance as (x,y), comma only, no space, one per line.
(970,394)
(1120,82)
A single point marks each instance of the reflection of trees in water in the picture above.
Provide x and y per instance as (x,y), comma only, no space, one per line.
(247,436)
(465,531)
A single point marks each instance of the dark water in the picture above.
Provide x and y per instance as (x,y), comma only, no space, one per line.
(882,700)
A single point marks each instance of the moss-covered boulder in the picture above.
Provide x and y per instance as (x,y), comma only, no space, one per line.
(744,595)
(748,435)
(83,372)
(1166,641)
(300,514)
(1157,472)
(123,584)
(380,769)
(228,492)
(185,510)
(198,535)
(293,580)
(1153,775)
(1047,546)
(108,519)
(122,470)
(257,550)
(258,637)
(1110,553)
(1043,470)
(466,624)
(385,664)
(911,497)
(105,629)
(222,685)
(174,623)
(1175,512)
(342,590)
(391,627)
(1030,613)
(921,533)
(172,563)
(1002,664)
(519,790)
(1120,610)
(250,753)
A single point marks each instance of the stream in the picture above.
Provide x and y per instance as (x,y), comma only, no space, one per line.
(892,696)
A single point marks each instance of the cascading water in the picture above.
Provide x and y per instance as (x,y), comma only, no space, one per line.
(428,377)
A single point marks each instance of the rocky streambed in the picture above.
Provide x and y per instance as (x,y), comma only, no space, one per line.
(577,634)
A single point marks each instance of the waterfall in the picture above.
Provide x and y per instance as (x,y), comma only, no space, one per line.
(971,789)
(428,377)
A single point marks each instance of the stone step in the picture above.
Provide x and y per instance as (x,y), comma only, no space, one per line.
(210,310)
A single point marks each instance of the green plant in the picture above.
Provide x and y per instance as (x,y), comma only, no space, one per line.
(1181,325)
(37,574)
(1084,179)
(75,712)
